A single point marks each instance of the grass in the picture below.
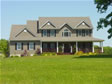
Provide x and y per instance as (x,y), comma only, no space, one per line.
(57,70)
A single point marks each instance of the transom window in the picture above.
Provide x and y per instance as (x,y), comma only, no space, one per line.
(66,33)
(19,46)
(31,45)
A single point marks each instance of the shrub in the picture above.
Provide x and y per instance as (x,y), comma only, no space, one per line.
(25,53)
(15,56)
(108,50)
(4,48)
(37,52)
(49,54)
(79,53)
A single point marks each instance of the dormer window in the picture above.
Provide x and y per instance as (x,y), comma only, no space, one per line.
(25,30)
(48,23)
(83,23)
(66,33)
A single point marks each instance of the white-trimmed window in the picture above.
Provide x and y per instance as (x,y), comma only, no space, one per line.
(66,33)
(44,32)
(31,45)
(19,46)
(52,32)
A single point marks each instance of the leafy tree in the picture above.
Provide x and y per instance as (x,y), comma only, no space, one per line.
(4,47)
(102,6)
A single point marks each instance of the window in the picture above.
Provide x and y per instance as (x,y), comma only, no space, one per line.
(87,32)
(19,46)
(80,32)
(83,32)
(44,45)
(52,32)
(31,46)
(66,33)
(48,23)
(44,32)
(52,46)
(25,30)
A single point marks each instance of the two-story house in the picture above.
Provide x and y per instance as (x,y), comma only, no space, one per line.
(50,34)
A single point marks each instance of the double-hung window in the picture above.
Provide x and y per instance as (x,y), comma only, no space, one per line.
(31,45)
(19,46)
(52,32)
(66,33)
(44,32)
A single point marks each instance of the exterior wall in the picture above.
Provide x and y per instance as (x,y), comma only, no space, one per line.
(14,52)
(59,32)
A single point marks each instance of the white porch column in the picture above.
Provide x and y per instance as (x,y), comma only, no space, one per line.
(76,46)
(71,48)
(57,47)
(101,45)
(93,47)
(41,46)
(63,48)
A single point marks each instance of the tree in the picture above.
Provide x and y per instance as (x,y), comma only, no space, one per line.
(102,6)
(4,47)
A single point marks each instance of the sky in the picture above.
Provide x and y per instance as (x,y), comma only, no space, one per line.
(19,11)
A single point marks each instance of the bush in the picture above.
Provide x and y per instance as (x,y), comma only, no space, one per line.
(25,53)
(15,56)
(49,54)
(4,48)
(107,50)
(37,52)
(79,53)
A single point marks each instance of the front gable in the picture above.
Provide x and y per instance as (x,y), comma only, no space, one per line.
(83,25)
(47,25)
(65,26)
(25,33)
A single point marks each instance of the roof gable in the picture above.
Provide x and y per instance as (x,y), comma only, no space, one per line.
(48,24)
(83,25)
(59,21)
(27,32)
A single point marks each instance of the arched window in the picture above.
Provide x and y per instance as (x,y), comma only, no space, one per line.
(66,33)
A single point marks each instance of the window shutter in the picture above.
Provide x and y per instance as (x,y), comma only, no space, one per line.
(55,33)
(15,46)
(62,34)
(22,46)
(28,46)
(34,45)
(42,33)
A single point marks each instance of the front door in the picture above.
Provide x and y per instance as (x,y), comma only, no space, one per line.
(66,48)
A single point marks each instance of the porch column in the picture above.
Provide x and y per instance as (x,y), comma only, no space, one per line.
(93,47)
(57,47)
(63,48)
(101,45)
(71,48)
(41,46)
(76,46)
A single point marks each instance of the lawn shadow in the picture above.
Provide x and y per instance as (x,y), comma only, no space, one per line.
(95,56)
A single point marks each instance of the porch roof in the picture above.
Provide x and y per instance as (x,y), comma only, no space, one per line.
(70,39)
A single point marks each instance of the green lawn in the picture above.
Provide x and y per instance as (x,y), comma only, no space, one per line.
(57,70)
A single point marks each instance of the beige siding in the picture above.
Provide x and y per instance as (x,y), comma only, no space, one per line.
(13,51)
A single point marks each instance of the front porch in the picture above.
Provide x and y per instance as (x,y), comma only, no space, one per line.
(68,47)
